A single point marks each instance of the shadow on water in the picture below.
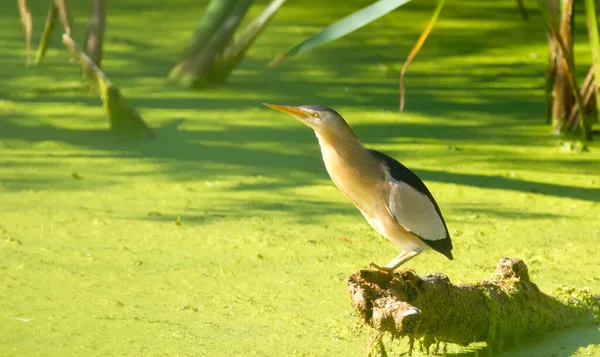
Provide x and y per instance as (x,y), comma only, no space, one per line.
(302,211)
(223,152)
(504,183)
(561,344)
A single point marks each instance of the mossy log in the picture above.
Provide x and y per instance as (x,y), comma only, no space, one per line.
(500,311)
(124,119)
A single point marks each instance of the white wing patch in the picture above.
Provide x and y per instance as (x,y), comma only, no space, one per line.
(414,211)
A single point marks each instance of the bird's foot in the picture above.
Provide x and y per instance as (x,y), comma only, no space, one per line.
(389,271)
(380,268)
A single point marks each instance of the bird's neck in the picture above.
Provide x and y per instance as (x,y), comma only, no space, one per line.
(346,147)
(350,166)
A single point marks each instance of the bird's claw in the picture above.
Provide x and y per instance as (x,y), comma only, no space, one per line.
(380,268)
(388,271)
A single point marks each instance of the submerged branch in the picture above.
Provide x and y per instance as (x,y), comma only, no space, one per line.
(68,41)
(565,51)
(48,28)
(124,119)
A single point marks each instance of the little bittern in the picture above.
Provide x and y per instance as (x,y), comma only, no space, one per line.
(392,198)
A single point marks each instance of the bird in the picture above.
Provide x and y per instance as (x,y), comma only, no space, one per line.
(392,198)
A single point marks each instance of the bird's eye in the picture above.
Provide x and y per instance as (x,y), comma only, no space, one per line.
(315,115)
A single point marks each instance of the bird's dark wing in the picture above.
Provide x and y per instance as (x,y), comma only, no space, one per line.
(413,206)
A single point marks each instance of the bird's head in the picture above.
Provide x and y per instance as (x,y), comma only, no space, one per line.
(323,120)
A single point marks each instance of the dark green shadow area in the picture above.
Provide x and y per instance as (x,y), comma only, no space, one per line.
(502,183)
(184,151)
(305,212)
(564,344)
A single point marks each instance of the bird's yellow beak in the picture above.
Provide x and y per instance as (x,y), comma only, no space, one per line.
(295,111)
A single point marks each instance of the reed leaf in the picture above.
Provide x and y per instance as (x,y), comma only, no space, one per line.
(343,27)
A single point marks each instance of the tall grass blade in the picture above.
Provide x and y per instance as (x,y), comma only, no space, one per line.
(590,10)
(554,30)
(588,92)
(417,48)
(25,14)
(343,27)
(94,37)
(64,12)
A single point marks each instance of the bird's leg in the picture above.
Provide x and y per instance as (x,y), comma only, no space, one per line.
(399,260)
(386,268)
(403,258)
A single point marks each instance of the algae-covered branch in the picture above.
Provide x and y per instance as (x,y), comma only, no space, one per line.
(500,310)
